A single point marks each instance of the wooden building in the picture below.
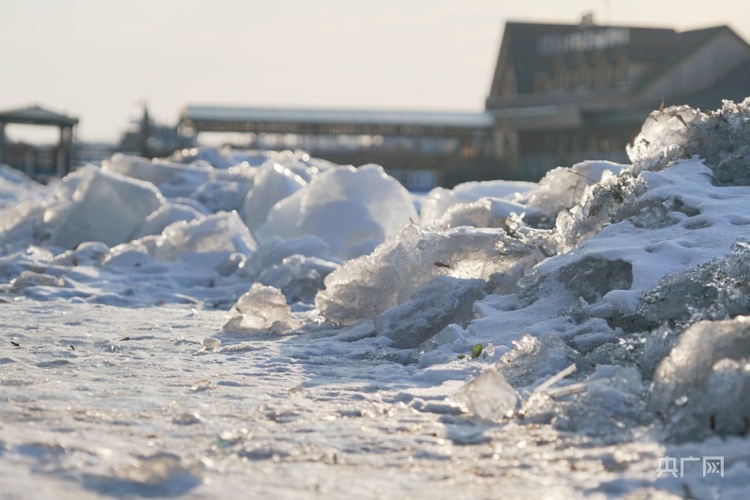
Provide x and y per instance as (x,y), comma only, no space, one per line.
(564,93)
(52,161)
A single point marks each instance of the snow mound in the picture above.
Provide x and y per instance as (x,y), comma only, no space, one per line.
(352,210)
(273,182)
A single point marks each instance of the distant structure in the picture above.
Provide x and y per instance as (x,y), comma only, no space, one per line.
(561,93)
(419,148)
(37,161)
(565,93)
(149,139)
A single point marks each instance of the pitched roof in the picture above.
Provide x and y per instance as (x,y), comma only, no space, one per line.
(735,86)
(36,115)
(533,48)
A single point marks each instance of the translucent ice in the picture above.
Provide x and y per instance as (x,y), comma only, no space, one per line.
(298,277)
(444,301)
(486,212)
(703,386)
(261,309)
(719,137)
(532,359)
(488,396)
(562,188)
(368,285)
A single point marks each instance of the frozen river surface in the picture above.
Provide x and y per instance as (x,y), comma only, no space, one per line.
(101,401)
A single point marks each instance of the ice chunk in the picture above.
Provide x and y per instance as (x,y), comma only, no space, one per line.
(298,277)
(592,277)
(533,359)
(273,183)
(273,252)
(223,233)
(167,214)
(703,386)
(562,188)
(86,254)
(368,285)
(439,200)
(714,290)
(352,210)
(219,195)
(16,187)
(444,301)
(486,212)
(610,401)
(261,309)
(488,396)
(105,207)
(172,179)
(681,132)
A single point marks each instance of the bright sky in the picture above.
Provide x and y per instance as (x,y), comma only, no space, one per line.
(99,59)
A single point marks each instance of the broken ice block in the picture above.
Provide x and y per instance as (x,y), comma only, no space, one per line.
(444,301)
(262,309)
(489,396)
(704,383)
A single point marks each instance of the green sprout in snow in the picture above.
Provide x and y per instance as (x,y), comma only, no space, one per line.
(475,352)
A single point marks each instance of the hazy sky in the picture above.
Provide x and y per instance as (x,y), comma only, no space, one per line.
(99,59)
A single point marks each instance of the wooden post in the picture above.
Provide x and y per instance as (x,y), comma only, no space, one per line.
(60,156)
(2,141)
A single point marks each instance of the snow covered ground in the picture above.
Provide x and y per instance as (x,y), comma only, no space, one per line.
(230,323)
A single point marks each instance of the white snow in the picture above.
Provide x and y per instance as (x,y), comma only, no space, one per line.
(554,338)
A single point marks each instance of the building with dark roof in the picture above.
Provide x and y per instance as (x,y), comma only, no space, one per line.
(564,93)
(52,161)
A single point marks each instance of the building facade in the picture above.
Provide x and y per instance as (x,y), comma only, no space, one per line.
(564,93)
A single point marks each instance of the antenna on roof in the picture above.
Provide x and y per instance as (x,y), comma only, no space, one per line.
(587,20)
